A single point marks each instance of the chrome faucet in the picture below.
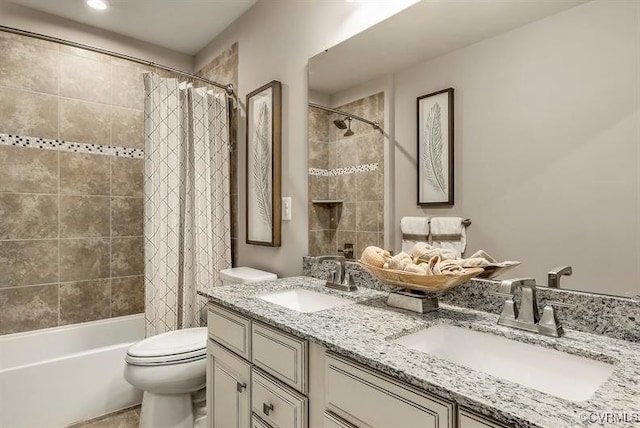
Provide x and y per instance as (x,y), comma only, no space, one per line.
(341,279)
(555,274)
(528,317)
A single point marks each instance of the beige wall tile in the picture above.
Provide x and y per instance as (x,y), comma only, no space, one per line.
(346,216)
(364,240)
(127,216)
(85,79)
(28,308)
(346,152)
(41,61)
(318,187)
(127,128)
(318,154)
(346,187)
(322,242)
(28,170)
(84,216)
(84,174)
(85,122)
(127,296)
(127,177)
(28,216)
(367,216)
(127,256)
(28,262)
(347,237)
(127,89)
(367,186)
(84,53)
(28,113)
(84,259)
(370,148)
(319,124)
(84,301)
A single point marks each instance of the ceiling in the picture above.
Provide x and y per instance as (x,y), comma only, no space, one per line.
(185,26)
(419,33)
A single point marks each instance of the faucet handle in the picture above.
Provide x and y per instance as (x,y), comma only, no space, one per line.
(549,325)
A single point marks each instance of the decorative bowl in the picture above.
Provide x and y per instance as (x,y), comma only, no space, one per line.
(416,281)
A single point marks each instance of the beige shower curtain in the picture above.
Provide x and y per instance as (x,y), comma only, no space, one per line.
(187,222)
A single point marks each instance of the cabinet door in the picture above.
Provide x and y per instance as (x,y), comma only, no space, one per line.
(333,421)
(256,422)
(228,389)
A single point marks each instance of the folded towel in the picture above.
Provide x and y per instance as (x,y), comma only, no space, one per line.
(414,230)
(449,234)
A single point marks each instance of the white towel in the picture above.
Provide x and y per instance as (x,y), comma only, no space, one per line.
(414,230)
(449,233)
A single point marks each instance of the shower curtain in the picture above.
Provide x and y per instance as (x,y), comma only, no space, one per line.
(187,222)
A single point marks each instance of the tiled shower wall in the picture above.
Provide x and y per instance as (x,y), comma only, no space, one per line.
(224,69)
(350,169)
(71,245)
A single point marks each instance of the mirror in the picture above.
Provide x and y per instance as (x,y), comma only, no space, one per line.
(546,123)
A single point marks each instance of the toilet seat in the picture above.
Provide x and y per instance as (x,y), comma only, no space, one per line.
(173,347)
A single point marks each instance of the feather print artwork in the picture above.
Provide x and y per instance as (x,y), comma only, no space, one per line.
(432,146)
(262,164)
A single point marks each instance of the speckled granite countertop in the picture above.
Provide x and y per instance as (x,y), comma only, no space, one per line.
(363,332)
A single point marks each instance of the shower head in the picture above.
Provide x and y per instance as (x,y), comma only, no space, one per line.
(340,123)
(349,132)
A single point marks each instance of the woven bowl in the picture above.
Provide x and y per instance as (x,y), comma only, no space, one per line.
(416,281)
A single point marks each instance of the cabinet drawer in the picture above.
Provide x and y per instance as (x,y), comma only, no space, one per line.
(228,388)
(276,404)
(230,329)
(280,355)
(369,399)
(333,421)
(467,419)
(256,422)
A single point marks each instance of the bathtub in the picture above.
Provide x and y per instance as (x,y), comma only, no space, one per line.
(57,376)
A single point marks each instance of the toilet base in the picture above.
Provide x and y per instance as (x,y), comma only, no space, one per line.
(166,411)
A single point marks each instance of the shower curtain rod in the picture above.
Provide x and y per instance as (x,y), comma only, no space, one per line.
(228,87)
(376,125)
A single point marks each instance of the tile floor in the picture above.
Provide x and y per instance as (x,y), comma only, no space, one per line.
(127,418)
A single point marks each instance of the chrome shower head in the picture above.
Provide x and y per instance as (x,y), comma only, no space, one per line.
(340,123)
(349,132)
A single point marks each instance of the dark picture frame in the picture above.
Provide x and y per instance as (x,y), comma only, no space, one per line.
(263,165)
(435,148)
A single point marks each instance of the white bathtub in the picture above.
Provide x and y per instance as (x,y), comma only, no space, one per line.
(57,376)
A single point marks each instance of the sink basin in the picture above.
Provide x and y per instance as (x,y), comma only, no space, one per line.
(553,372)
(302,300)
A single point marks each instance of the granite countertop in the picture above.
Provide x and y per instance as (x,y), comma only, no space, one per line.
(364,332)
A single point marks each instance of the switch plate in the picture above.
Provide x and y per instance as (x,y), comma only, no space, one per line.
(286,208)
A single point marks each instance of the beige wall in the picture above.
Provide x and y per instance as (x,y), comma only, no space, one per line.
(276,39)
(547,137)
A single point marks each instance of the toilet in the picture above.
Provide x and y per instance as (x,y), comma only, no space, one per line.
(169,367)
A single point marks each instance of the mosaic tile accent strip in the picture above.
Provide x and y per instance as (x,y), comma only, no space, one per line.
(67,146)
(344,170)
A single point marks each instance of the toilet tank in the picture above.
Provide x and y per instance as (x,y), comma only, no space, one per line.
(241,275)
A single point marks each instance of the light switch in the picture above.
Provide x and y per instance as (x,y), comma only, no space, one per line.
(286,208)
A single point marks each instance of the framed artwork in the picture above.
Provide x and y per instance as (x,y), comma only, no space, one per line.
(263,165)
(435,149)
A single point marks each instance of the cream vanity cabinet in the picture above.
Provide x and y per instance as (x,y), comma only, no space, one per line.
(261,377)
(256,375)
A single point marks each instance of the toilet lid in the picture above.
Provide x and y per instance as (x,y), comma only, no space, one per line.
(169,348)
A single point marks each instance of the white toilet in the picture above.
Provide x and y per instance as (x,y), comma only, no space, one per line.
(169,367)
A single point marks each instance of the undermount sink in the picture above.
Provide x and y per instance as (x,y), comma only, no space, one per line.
(553,372)
(302,300)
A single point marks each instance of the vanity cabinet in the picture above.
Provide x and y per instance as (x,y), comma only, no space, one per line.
(257,376)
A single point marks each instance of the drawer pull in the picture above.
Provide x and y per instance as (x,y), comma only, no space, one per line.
(240,386)
(266,408)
